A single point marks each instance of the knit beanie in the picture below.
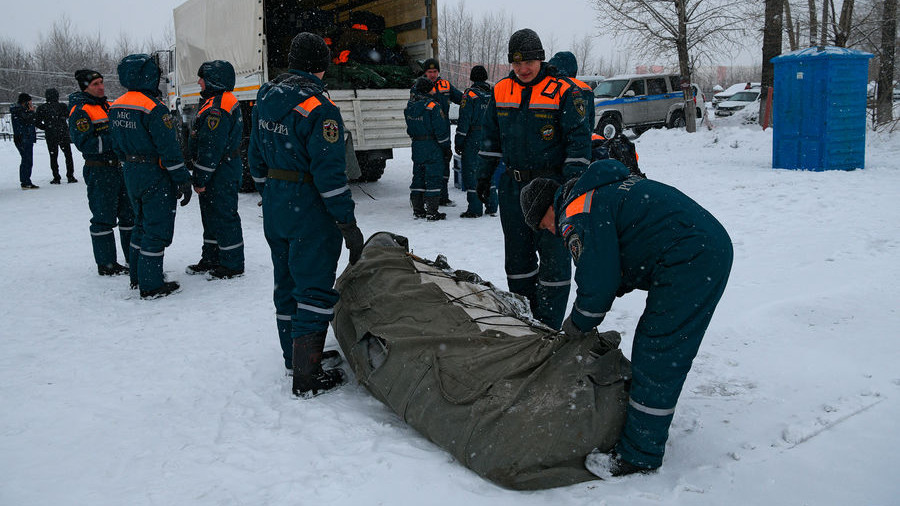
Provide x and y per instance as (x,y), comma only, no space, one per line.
(309,53)
(536,197)
(525,45)
(423,85)
(430,64)
(24,98)
(85,77)
(478,73)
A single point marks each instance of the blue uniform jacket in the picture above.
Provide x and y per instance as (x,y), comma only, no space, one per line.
(297,128)
(428,127)
(215,140)
(539,126)
(89,127)
(622,230)
(471,115)
(567,68)
(22,125)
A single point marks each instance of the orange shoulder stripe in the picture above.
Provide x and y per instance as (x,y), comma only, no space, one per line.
(580,205)
(307,106)
(136,100)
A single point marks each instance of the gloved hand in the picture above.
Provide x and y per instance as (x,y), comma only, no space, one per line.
(353,238)
(448,155)
(459,144)
(483,189)
(571,329)
(184,193)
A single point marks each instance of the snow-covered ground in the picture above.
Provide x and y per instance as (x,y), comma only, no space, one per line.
(106,399)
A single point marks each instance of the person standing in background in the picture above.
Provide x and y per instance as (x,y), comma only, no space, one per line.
(24,137)
(51,117)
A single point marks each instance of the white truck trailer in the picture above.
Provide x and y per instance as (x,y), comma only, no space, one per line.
(255,35)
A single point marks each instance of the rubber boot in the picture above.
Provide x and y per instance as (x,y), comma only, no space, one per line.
(431,209)
(310,379)
(417,201)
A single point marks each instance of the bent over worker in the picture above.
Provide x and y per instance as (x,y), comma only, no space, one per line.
(107,196)
(144,137)
(625,232)
(297,161)
(215,147)
(536,124)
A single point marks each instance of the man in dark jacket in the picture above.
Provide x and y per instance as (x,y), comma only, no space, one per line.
(535,123)
(428,128)
(297,160)
(625,232)
(145,139)
(444,94)
(215,147)
(107,197)
(51,117)
(24,137)
(468,136)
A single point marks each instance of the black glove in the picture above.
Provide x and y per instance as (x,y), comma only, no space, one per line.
(353,238)
(184,193)
(571,329)
(448,155)
(483,189)
(459,144)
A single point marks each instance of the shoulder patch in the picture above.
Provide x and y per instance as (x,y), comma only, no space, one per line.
(213,120)
(168,120)
(579,106)
(330,130)
(82,124)
(575,246)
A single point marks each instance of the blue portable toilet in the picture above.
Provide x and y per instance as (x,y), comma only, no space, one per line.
(819,113)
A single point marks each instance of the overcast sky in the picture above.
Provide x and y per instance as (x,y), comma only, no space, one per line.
(25,20)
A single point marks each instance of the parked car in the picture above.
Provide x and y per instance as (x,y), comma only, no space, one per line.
(737,102)
(731,90)
(640,102)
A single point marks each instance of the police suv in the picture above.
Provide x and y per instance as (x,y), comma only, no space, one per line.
(639,102)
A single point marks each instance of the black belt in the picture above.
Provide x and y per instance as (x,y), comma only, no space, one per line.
(289,175)
(99,163)
(141,158)
(523,176)
(422,137)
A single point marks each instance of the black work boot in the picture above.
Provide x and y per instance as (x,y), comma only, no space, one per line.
(200,267)
(310,379)
(167,288)
(219,272)
(431,209)
(113,269)
(417,201)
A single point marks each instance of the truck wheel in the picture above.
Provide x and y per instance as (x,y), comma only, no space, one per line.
(677,120)
(609,127)
(371,169)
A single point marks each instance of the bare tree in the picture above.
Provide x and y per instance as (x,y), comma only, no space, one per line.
(886,72)
(688,31)
(17,73)
(771,47)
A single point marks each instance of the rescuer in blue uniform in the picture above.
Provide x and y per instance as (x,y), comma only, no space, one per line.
(468,136)
(145,140)
(297,161)
(445,93)
(429,129)
(567,68)
(625,232)
(215,148)
(107,196)
(536,124)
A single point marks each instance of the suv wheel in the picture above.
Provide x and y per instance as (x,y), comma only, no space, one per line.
(677,120)
(609,127)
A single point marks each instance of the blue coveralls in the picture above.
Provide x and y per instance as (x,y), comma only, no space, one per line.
(567,68)
(215,148)
(468,141)
(145,140)
(446,93)
(624,233)
(538,130)
(107,196)
(429,129)
(296,158)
